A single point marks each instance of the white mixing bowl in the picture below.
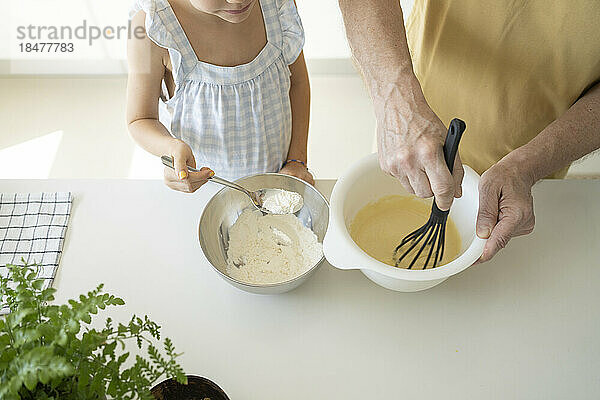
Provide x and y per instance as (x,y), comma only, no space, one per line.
(365,182)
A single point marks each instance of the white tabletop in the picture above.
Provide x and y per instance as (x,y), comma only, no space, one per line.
(524,326)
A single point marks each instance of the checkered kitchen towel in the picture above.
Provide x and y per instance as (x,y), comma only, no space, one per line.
(33,227)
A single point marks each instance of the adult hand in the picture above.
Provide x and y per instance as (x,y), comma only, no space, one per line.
(505,206)
(411,149)
(180,178)
(299,171)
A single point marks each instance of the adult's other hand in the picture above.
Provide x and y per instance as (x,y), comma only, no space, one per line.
(505,207)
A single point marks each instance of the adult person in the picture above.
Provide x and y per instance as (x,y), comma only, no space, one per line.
(522,74)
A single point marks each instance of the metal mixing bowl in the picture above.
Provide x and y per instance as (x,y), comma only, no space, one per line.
(223,209)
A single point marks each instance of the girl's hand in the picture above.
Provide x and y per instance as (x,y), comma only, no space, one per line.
(298,170)
(181,179)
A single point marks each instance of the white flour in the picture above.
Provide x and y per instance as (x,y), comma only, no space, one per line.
(270,248)
(279,201)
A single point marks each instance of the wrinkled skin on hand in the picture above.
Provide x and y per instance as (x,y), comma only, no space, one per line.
(505,206)
(410,148)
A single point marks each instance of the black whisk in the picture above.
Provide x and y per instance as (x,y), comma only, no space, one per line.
(434,231)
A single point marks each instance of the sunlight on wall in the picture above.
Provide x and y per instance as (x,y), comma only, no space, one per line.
(32,159)
(144,165)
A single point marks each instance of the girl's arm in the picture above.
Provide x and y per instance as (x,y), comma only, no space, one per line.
(146,71)
(300,101)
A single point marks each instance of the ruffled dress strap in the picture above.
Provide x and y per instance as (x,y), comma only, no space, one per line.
(292,37)
(163,28)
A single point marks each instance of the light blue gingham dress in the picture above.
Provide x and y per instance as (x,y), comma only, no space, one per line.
(237,120)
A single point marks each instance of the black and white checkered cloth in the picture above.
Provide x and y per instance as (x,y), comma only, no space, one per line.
(32,228)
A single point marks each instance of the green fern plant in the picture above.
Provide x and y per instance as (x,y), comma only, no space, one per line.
(50,351)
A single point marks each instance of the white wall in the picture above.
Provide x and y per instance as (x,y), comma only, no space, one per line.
(323,25)
(325,37)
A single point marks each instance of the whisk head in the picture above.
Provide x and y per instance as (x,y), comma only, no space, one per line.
(428,241)
(425,244)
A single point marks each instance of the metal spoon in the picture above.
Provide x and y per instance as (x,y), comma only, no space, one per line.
(256,197)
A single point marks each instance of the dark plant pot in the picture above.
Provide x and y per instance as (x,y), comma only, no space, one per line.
(198,388)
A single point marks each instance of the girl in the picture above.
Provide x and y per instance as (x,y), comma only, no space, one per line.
(233,77)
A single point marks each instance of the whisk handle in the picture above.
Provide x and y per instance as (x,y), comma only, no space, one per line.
(455,131)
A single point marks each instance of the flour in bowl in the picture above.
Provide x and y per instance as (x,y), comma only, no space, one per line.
(270,248)
(279,201)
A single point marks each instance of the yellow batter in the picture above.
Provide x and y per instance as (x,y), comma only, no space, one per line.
(381,225)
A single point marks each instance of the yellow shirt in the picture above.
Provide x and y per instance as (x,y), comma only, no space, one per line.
(507,68)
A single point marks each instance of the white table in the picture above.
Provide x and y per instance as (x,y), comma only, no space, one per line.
(524,326)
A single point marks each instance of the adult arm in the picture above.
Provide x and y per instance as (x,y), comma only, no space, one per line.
(410,136)
(505,201)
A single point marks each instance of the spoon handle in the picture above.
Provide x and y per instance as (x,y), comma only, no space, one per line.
(168,161)
(230,184)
